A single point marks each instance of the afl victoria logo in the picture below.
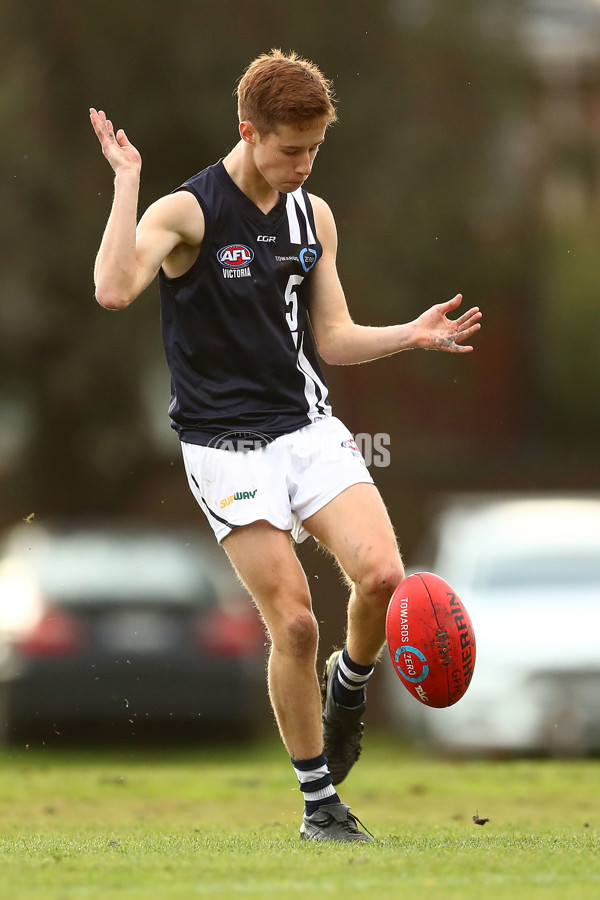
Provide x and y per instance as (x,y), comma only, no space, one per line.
(235,256)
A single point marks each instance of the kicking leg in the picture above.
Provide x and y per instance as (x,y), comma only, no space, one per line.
(356,527)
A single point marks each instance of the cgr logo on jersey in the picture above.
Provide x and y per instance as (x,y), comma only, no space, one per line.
(235,259)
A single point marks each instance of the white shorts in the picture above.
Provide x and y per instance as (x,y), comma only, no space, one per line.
(283,482)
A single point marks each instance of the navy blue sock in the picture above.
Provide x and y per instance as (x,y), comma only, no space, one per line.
(350,683)
(315,782)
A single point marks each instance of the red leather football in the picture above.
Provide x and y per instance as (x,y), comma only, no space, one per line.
(430,639)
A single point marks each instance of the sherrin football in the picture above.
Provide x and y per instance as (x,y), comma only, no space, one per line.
(430,639)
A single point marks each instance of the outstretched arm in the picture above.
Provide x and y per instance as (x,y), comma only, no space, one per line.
(130,256)
(340,341)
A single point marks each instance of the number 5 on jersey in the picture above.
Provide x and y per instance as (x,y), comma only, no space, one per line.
(291,301)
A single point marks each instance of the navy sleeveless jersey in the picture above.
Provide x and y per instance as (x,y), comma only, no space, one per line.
(235,326)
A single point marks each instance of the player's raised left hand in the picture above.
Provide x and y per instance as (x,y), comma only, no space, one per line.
(435,331)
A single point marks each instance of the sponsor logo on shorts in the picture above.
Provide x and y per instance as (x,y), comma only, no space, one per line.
(239,495)
(353,446)
(235,259)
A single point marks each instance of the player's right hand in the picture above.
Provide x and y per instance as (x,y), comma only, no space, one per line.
(117,149)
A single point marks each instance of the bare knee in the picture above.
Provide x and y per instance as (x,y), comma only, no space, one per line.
(380,580)
(295,632)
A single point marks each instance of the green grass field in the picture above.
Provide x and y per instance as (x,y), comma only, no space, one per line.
(178,824)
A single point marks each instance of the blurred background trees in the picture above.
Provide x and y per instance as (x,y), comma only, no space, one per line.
(466,159)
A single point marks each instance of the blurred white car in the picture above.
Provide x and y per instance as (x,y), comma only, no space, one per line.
(528,570)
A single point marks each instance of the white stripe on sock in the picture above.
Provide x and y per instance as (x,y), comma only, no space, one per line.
(349,686)
(348,673)
(328,791)
(311,775)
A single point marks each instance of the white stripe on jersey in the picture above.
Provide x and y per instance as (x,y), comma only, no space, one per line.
(316,407)
(300,200)
(295,235)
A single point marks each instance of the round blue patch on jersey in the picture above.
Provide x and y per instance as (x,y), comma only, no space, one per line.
(308,258)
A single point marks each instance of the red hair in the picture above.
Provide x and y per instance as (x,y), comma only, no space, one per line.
(284,88)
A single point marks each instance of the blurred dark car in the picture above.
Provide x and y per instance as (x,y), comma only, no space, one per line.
(126,628)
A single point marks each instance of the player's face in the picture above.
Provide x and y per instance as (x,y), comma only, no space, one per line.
(285,156)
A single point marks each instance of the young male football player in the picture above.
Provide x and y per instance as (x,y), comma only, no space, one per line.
(246,261)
